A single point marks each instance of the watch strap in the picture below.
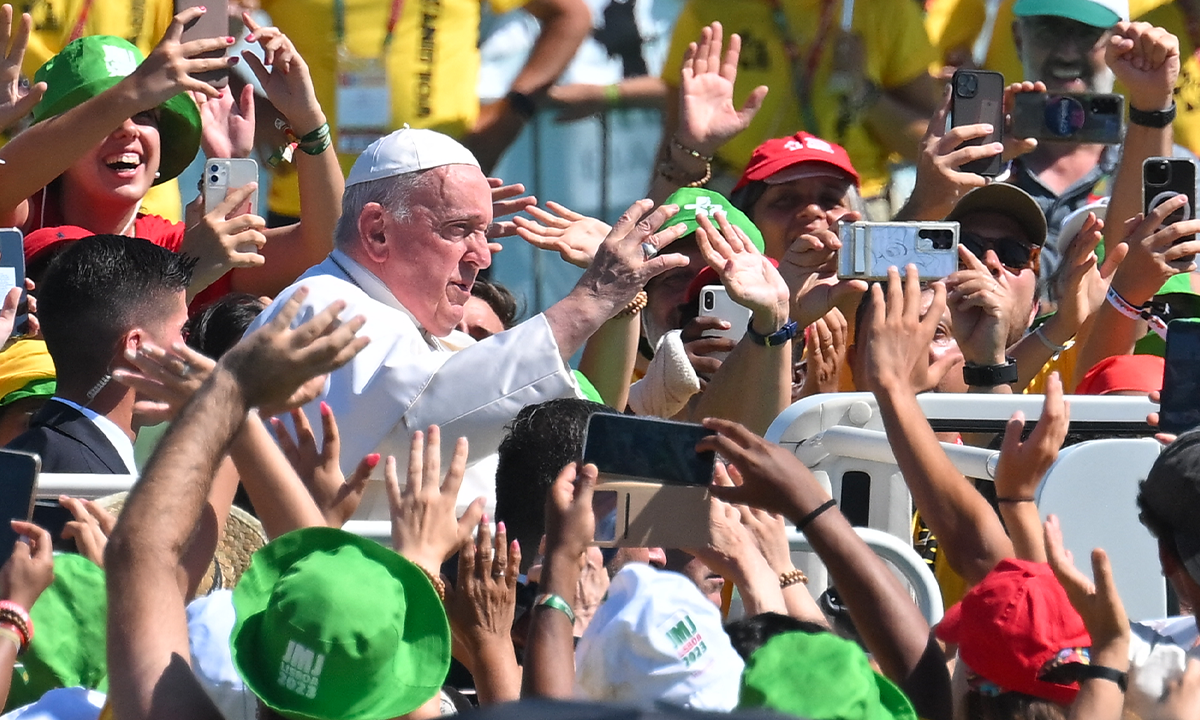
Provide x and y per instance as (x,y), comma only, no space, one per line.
(990,375)
(1100,672)
(1152,118)
(783,335)
(521,103)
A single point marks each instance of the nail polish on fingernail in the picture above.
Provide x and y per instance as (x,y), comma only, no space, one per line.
(372,460)
(500,526)
(483,519)
(325,408)
(229,39)
(203,9)
(250,38)
(234,60)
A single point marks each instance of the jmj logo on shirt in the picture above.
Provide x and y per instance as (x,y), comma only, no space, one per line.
(685,637)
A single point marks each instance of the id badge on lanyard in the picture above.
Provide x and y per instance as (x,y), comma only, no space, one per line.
(362,94)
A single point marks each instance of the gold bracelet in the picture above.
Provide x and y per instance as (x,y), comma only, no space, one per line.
(635,306)
(694,153)
(439,585)
(791,577)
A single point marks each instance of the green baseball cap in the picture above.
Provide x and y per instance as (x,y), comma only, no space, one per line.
(695,201)
(90,65)
(68,647)
(1097,13)
(820,676)
(331,626)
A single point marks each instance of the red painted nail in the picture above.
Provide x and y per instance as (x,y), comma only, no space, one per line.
(325,408)
(372,460)
(234,60)
(250,37)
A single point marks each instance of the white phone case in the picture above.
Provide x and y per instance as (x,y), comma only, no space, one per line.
(715,302)
(224,174)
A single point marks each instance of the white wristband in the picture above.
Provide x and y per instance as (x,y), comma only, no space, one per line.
(1134,312)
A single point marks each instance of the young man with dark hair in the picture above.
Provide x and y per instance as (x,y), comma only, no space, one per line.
(101,300)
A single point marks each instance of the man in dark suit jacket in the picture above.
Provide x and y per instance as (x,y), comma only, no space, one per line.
(102,299)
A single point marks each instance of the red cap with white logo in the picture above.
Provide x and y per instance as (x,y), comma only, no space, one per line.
(798,156)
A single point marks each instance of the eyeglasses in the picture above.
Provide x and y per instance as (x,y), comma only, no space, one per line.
(1013,253)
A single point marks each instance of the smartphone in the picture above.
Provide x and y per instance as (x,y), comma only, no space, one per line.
(628,447)
(12,274)
(52,517)
(222,175)
(715,302)
(213,23)
(869,249)
(19,478)
(639,514)
(1164,178)
(978,97)
(1179,410)
(1069,117)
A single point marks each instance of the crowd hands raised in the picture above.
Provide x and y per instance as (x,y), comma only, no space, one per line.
(491,528)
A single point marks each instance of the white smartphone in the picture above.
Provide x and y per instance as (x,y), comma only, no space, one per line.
(869,249)
(12,274)
(221,175)
(715,302)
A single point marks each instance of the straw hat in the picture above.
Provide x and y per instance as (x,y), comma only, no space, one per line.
(243,535)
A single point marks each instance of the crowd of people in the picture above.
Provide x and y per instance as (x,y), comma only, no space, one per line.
(344,358)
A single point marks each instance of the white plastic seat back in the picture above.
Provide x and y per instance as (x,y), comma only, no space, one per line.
(1092,488)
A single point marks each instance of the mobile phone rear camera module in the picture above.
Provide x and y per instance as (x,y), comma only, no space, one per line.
(966,86)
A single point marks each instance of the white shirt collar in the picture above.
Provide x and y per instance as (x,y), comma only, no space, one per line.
(370,284)
(115,435)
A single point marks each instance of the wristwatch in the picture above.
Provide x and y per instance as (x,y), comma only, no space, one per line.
(1152,118)
(990,375)
(790,329)
(521,103)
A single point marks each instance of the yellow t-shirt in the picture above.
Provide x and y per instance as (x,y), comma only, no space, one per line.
(55,21)
(954,25)
(434,55)
(897,52)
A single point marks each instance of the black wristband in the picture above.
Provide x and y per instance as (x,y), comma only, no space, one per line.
(807,519)
(990,375)
(1100,672)
(781,336)
(1152,118)
(521,103)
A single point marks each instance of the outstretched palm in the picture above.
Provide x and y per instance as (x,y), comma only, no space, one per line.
(708,117)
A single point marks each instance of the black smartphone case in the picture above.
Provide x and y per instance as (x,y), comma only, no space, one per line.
(1182,182)
(984,105)
(1069,117)
(1179,410)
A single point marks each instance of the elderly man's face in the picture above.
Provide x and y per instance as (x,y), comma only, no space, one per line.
(1065,54)
(435,253)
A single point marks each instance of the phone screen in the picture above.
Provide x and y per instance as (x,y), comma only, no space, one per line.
(18,476)
(1180,407)
(12,274)
(648,449)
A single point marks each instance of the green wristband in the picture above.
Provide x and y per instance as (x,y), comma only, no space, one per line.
(556,602)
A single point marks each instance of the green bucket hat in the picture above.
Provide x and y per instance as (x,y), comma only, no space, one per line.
(68,647)
(90,65)
(822,677)
(694,201)
(333,626)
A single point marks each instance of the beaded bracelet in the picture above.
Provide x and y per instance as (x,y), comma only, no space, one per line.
(792,577)
(14,614)
(694,153)
(439,585)
(635,306)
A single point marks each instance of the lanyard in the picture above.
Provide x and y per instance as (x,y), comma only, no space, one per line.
(339,9)
(77,32)
(803,75)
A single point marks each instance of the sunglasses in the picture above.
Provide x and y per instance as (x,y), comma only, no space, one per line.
(1013,253)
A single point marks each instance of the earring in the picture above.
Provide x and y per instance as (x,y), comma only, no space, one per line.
(157,174)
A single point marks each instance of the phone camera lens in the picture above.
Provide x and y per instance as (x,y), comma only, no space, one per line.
(709,301)
(1158,173)
(214,168)
(215,178)
(966,86)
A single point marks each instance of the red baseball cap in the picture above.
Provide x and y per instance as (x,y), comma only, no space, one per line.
(41,240)
(1012,626)
(1142,373)
(820,157)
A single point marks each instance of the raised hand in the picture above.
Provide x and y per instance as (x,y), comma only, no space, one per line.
(981,306)
(1023,464)
(940,183)
(1083,279)
(1181,700)
(573,236)
(483,601)
(707,116)
(165,381)
(751,279)
(506,200)
(570,522)
(1097,603)
(30,568)
(284,77)
(1153,255)
(1146,61)
(424,527)
(90,528)
(170,67)
(1015,146)
(623,263)
(895,337)
(336,496)
(809,267)
(228,126)
(12,305)
(700,349)
(826,343)
(274,361)
(15,101)
(221,242)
